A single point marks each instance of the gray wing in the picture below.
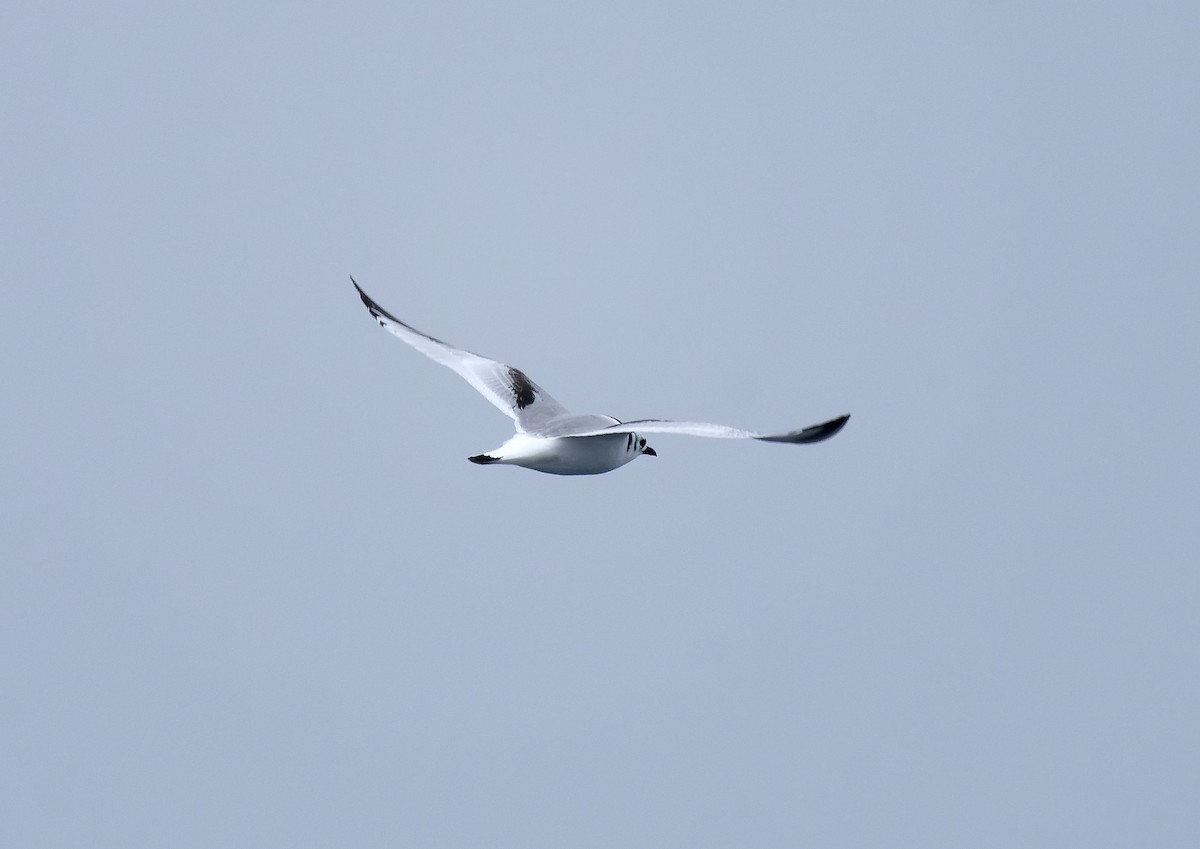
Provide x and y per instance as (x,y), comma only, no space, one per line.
(518,397)
(812,433)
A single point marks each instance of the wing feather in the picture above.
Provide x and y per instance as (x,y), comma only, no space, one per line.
(509,389)
(812,433)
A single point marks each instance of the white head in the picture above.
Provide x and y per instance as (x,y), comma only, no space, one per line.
(636,445)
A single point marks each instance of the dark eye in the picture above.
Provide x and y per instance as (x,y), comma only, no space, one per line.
(641,443)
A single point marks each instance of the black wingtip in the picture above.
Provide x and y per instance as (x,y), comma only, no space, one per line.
(366,299)
(824,430)
(812,433)
(483,459)
(377,311)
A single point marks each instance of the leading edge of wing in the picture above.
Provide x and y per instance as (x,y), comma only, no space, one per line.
(803,436)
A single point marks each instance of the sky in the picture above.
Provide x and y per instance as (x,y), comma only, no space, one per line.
(253,594)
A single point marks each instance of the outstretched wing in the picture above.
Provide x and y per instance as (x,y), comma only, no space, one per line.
(518,397)
(812,433)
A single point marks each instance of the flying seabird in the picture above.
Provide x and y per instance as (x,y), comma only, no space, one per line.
(551,439)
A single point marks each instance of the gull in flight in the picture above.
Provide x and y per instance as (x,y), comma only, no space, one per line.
(551,439)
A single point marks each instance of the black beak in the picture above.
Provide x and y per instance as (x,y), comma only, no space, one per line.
(650,451)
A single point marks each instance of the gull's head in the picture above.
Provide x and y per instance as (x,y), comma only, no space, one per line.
(644,448)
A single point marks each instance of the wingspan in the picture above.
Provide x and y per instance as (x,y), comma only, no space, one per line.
(812,433)
(513,393)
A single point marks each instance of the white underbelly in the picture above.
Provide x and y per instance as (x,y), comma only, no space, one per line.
(572,455)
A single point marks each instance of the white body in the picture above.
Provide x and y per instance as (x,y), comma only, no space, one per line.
(567,455)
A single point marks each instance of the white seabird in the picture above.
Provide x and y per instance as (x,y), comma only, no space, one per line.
(551,439)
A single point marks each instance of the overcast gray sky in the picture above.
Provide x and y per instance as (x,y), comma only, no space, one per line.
(253,593)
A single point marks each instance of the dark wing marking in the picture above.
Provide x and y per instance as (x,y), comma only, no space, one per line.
(523,388)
